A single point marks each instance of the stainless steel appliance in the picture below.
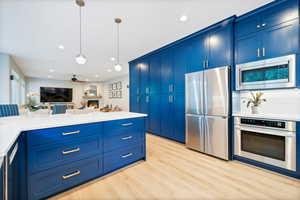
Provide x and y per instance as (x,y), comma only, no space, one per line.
(277,72)
(269,141)
(207,111)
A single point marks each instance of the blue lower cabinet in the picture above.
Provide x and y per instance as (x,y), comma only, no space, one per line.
(122,157)
(58,179)
(154,114)
(179,117)
(167,117)
(48,156)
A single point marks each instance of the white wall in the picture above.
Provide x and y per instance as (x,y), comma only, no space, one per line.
(122,102)
(280,102)
(34,84)
(7,64)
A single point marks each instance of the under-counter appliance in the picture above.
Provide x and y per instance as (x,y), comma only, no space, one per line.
(268,141)
(277,72)
(207,111)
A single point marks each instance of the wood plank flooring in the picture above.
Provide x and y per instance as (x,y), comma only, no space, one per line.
(174,172)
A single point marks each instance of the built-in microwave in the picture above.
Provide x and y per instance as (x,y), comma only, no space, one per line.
(277,72)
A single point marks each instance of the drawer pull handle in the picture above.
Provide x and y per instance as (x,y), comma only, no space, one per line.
(128,124)
(71,133)
(71,151)
(71,175)
(127,155)
(127,138)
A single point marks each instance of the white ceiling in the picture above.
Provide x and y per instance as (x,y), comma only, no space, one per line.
(31,30)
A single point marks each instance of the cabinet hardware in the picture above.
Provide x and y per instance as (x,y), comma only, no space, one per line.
(147,90)
(258,26)
(71,175)
(127,155)
(126,138)
(71,151)
(71,133)
(263,24)
(170,99)
(172,88)
(263,52)
(258,52)
(128,124)
(147,99)
(137,99)
(204,64)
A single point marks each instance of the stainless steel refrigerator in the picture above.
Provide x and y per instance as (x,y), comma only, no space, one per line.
(207,111)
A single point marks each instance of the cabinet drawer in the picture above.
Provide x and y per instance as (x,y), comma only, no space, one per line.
(126,139)
(47,156)
(122,157)
(50,182)
(112,128)
(50,135)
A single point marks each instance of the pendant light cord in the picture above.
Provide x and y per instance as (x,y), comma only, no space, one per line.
(80,34)
(118,43)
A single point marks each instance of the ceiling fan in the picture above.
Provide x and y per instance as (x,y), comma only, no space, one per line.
(75,79)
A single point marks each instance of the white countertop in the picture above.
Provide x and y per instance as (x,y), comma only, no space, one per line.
(11,127)
(286,117)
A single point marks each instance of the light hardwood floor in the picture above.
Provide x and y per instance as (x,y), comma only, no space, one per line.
(174,172)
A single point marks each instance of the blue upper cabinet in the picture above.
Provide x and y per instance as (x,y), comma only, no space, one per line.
(134,76)
(220,43)
(181,65)
(154,74)
(198,52)
(167,71)
(144,76)
(267,32)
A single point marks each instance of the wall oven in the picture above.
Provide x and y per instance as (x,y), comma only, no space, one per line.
(277,72)
(267,141)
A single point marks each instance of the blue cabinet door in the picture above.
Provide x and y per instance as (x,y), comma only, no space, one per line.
(181,64)
(167,117)
(220,46)
(280,13)
(247,26)
(134,78)
(144,76)
(281,40)
(179,116)
(167,71)
(134,101)
(154,114)
(154,74)
(198,53)
(247,49)
(144,108)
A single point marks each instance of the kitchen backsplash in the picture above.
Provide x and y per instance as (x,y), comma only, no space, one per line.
(279,102)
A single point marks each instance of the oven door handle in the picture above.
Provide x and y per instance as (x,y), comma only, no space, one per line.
(267,131)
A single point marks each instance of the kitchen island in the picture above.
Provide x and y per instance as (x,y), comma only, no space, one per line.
(45,155)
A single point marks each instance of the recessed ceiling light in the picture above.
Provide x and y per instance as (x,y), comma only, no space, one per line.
(183,18)
(96,75)
(108,70)
(118,67)
(49,76)
(61,47)
(51,70)
(112,59)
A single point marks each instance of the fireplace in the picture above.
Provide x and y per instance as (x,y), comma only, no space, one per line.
(93,103)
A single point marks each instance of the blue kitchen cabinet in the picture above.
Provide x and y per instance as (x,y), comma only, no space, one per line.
(198,52)
(246,48)
(154,114)
(134,77)
(144,107)
(181,65)
(298,148)
(154,74)
(144,76)
(220,48)
(179,117)
(167,117)
(167,71)
(263,33)
(280,40)
(134,101)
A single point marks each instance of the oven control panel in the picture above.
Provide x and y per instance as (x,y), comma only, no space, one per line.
(264,123)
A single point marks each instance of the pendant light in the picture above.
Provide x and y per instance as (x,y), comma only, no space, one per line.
(118,66)
(80,59)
